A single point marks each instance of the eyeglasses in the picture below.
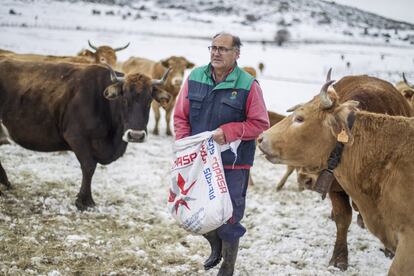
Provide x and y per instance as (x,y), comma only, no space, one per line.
(220,49)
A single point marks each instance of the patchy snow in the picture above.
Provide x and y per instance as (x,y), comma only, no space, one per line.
(130,231)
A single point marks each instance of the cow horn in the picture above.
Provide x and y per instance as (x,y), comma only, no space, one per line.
(162,80)
(406,81)
(326,102)
(93,47)
(114,77)
(121,48)
(328,75)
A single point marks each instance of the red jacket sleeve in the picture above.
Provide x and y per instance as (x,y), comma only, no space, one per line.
(257,119)
(182,126)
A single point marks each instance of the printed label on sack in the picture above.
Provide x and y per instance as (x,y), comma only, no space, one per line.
(199,198)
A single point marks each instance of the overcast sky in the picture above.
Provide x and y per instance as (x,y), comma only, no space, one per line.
(395,9)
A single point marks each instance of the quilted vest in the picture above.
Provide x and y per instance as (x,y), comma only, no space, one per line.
(213,105)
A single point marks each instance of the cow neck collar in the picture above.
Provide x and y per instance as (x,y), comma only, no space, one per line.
(326,177)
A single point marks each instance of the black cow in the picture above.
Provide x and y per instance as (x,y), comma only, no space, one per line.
(86,109)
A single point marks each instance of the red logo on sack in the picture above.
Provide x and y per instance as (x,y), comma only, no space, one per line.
(182,191)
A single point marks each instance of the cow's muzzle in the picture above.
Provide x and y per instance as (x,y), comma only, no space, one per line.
(134,136)
(266,148)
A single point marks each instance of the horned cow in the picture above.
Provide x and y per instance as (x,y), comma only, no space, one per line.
(172,85)
(86,109)
(103,54)
(376,168)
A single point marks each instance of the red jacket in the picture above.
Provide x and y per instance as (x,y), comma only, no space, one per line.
(257,119)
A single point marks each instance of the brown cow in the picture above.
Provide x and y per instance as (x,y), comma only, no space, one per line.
(155,70)
(103,54)
(86,109)
(4,54)
(261,67)
(407,90)
(250,70)
(376,168)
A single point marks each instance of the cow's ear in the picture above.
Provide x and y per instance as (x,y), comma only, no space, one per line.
(190,65)
(113,91)
(165,62)
(340,126)
(161,96)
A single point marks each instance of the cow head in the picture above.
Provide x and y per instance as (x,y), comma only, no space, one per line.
(103,54)
(178,66)
(307,136)
(132,96)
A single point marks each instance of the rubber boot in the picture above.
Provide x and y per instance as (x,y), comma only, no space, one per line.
(229,252)
(215,244)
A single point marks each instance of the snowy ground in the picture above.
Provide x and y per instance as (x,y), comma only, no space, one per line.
(130,231)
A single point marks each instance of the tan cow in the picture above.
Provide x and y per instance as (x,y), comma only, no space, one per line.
(261,67)
(250,70)
(407,90)
(103,54)
(172,85)
(376,168)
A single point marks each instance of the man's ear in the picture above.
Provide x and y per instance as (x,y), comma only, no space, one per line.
(113,91)
(237,54)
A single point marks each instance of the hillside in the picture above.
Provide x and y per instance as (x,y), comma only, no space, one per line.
(306,21)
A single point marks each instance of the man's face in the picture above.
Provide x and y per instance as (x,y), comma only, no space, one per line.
(225,59)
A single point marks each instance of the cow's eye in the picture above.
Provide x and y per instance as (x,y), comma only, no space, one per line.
(299,119)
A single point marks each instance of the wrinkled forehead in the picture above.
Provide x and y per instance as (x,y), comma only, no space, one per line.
(223,40)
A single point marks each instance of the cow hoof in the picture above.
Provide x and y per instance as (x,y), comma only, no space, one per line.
(169,133)
(155,132)
(82,205)
(387,253)
(7,184)
(342,265)
(4,142)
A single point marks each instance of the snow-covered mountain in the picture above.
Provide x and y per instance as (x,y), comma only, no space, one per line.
(311,21)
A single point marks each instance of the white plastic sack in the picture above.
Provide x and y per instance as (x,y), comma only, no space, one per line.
(199,198)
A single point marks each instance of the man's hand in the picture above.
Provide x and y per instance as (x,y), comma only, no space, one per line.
(219,137)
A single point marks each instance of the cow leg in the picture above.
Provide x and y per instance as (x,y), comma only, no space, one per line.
(402,263)
(251,183)
(342,215)
(88,166)
(156,108)
(289,170)
(168,112)
(3,177)
(84,198)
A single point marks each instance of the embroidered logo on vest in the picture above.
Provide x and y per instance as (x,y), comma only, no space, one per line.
(233,95)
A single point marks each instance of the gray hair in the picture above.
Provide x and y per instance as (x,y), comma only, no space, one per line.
(236,40)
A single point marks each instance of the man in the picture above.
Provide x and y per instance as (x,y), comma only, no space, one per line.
(222,97)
